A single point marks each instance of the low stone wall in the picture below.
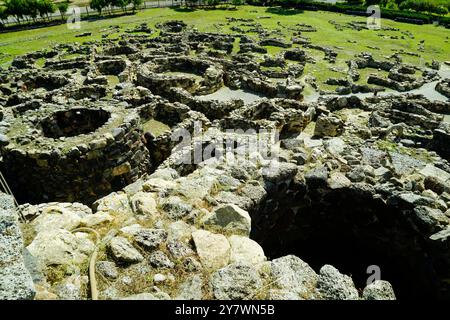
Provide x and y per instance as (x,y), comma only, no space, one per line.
(62,165)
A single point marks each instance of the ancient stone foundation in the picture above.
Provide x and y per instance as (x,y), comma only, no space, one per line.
(79,154)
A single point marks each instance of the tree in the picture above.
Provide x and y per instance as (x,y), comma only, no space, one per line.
(98,5)
(3,14)
(136,4)
(16,8)
(31,8)
(212,3)
(120,3)
(45,7)
(62,8)
(236,2)
(389,4)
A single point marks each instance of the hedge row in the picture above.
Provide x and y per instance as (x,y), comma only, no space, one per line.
(397,15)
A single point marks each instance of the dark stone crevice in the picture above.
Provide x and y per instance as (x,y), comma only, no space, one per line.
(352,230)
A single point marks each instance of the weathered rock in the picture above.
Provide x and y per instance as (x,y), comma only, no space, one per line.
(145,204)
(328,126)
(108,269)
(122,250)
(159,259)
(176,208)
(16,282)
(61,247)
(191,289)
(245,250)
(236,281)
(213,249)
(231,218)
(179,249)
(332,285)
(70,289)
(292,274)
(150,238)
(379,290)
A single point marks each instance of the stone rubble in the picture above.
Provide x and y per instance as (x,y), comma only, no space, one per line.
(88,142)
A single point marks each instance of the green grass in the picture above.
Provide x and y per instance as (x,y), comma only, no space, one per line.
(436,43)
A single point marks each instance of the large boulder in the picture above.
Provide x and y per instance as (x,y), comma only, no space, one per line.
(61,247)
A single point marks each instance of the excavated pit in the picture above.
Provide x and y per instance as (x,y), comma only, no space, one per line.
(351,229)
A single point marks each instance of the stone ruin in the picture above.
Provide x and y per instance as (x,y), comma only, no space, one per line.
(87,141)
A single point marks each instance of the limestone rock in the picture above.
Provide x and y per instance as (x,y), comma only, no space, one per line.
(114,204)
(60,246)
(99,218)
(57,217)
(213,249)
(245,250)
(338,180)
(145,204)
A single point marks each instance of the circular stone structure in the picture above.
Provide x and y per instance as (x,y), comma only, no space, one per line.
(73,153)
(194,75)
(74,122)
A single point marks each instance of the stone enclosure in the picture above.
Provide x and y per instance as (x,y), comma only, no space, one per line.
(90,146)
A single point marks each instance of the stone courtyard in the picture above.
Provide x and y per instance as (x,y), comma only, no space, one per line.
(93,145)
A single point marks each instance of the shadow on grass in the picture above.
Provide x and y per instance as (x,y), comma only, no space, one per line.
(204,8)
(183,9)
(96,17)
(284,11)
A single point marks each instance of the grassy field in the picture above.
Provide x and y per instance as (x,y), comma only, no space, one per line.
(347,43)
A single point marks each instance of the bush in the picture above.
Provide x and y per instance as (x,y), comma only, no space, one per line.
(3,13)
(431,6)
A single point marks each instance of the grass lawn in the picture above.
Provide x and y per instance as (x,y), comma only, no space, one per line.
(436,38)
